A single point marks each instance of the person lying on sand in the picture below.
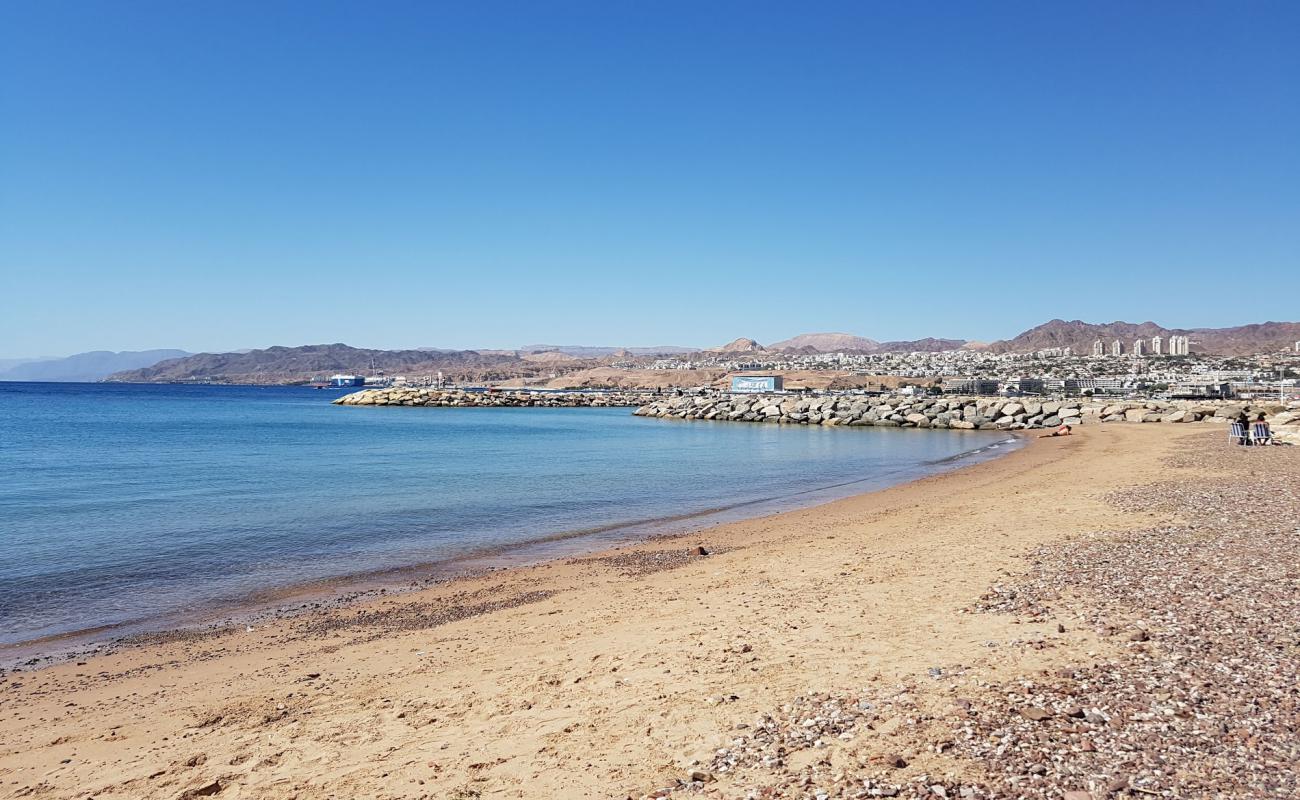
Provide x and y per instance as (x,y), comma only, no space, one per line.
(1064,430)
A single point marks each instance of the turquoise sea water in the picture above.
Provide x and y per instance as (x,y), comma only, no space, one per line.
(126,505)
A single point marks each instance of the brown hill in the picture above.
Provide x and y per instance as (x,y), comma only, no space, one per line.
(826,343)
(741,345)
(812,343)
(276,365)
(927,345)
(1265,337)
(1262,337)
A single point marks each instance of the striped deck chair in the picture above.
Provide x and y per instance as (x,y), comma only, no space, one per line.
(1237,434)
(1260,433)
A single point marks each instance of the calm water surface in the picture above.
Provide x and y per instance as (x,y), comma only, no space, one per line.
(122,504)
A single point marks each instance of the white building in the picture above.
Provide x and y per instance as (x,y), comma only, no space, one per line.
(1179,346)
(1139,348)
(1117,348)
(1156,342)
(1099,349)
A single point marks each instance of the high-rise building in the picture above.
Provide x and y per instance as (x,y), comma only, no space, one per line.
(1297,347)
(1179,346)
(1117,348)
(1099,348)
(1156,341)
(1139,347)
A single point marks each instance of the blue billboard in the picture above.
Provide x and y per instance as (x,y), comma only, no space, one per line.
(756,383)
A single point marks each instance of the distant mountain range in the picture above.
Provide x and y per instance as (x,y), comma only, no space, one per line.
(849,343)
(300,364)
(1264,337)
(93,366)
(827,343)
(585,351)
(275,365)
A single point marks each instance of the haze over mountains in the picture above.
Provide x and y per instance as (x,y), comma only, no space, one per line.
(92,366)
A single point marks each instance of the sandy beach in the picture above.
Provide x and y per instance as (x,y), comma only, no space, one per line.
(882,645)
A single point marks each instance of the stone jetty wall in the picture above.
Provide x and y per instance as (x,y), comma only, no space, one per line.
(410,396)
(982,413)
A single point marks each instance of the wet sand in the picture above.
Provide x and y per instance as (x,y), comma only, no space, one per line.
(277,602)
(604,676)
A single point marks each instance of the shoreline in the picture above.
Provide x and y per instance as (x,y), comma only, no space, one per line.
(342,591)
(636,672)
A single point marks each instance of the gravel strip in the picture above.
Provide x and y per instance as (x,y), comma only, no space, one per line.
(1198,697)
(644,562)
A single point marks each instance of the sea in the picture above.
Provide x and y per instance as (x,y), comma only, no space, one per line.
(128,507)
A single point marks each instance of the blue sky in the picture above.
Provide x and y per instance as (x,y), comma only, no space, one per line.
(486,174)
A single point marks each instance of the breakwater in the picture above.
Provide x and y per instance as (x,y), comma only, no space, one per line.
(949,411)
(410,396)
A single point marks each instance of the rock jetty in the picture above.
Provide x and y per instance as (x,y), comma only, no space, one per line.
(950,411)
(411,396)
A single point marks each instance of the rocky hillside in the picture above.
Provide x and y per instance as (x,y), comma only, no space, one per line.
(1243,340)
(276,365)
(927,345)
(1263,337)
(741,345)
(827,343)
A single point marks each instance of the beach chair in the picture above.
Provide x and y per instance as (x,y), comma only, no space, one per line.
(1260,433)
(1237,433)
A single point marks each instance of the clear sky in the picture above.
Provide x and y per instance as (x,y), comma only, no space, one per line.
(220,175)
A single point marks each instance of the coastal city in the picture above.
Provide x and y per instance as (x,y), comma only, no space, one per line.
(1153,368)
(1112,368)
